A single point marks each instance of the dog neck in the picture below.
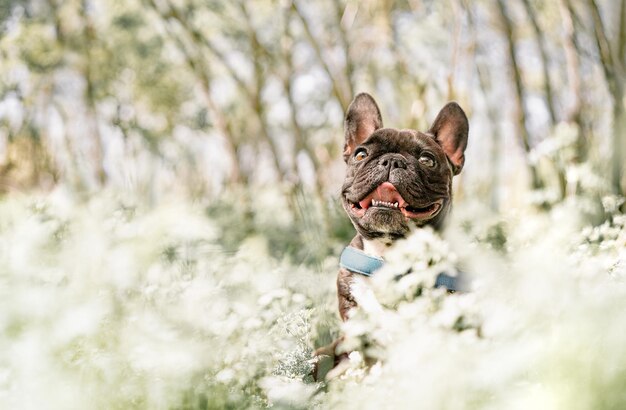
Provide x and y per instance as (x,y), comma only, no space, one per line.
(376,247)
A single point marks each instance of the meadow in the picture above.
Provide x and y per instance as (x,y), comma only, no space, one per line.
(170,223)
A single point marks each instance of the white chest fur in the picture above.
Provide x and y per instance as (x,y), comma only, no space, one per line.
(375,247)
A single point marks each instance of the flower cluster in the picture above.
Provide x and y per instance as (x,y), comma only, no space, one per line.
(111,303)
(117,304)
(537,325)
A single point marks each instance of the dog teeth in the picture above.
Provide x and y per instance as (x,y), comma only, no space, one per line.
(376,202)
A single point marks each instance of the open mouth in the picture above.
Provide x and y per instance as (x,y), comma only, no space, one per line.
(387,197)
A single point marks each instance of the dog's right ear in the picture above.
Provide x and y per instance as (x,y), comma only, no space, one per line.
(362,119)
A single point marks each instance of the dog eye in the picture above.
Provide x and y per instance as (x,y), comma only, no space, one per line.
(427,160)
(360,155)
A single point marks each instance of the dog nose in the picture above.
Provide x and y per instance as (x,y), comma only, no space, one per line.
(398,163)
(393,162)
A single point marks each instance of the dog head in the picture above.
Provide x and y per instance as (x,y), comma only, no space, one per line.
(395,178)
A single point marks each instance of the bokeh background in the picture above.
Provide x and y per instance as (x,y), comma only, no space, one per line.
(169,169)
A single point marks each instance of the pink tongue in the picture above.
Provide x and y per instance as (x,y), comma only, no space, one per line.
(386,192)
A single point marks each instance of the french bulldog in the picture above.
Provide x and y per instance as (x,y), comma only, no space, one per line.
(396,180)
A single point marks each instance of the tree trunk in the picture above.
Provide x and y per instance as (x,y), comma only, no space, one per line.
(614,76)
(520,109)
(543,53)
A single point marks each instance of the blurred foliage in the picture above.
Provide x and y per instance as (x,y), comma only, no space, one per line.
(211,99)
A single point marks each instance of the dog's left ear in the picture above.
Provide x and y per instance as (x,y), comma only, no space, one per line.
(450,130)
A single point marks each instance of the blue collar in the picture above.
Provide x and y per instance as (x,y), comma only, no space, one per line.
(355,260)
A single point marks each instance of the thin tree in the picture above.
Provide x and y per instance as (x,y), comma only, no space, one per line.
(613,70)
(516,77)
(545,61)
